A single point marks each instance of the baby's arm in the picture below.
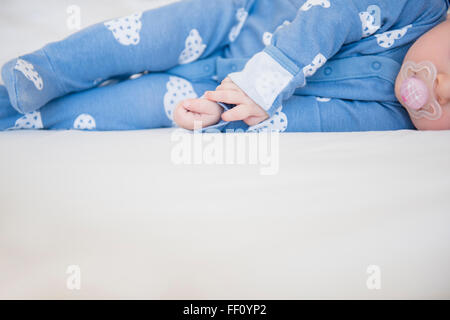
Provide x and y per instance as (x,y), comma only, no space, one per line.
(301,48)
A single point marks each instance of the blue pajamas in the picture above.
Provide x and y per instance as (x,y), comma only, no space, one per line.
(82,111)
(285,54)
(126,105)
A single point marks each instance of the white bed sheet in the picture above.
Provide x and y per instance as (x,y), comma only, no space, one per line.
(140,226)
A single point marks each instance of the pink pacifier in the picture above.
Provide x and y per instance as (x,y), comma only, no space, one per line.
(414,93)
(417,90)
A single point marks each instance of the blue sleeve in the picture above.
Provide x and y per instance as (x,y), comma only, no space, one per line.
(319,31)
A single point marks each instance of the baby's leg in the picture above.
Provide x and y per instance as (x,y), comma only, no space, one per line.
(8,115)
(155,40)
(314,114)
(143,103)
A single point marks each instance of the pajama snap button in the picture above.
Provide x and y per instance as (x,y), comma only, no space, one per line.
(233,67)
(328,71)
(207,68)
(376,65)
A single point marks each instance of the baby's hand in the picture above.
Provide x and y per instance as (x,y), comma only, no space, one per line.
(200,110)
(246,109)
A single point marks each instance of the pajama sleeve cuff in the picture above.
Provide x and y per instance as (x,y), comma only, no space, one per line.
(268,78)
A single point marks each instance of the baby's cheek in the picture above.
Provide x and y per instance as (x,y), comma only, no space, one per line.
(441,124)
(445,120)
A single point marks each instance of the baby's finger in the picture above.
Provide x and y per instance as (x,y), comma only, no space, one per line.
(197,105)
(253,120)
(225,96)
(227,86)
(240,112)
(227,80)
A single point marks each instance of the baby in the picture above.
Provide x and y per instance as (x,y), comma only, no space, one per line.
(258,65)
(422,87)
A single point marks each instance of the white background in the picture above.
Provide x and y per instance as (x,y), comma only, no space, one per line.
(141,227)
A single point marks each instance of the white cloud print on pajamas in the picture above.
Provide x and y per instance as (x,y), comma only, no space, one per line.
(241,17)
(312,3)
(387,39)
(126,30)
(267,36)
(84,122)
(30,120)
(194,48)
(370,20)
(178,89)
(277,123)
(28,71)
(317,63)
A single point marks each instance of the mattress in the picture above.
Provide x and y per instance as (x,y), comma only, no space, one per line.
(87,215)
